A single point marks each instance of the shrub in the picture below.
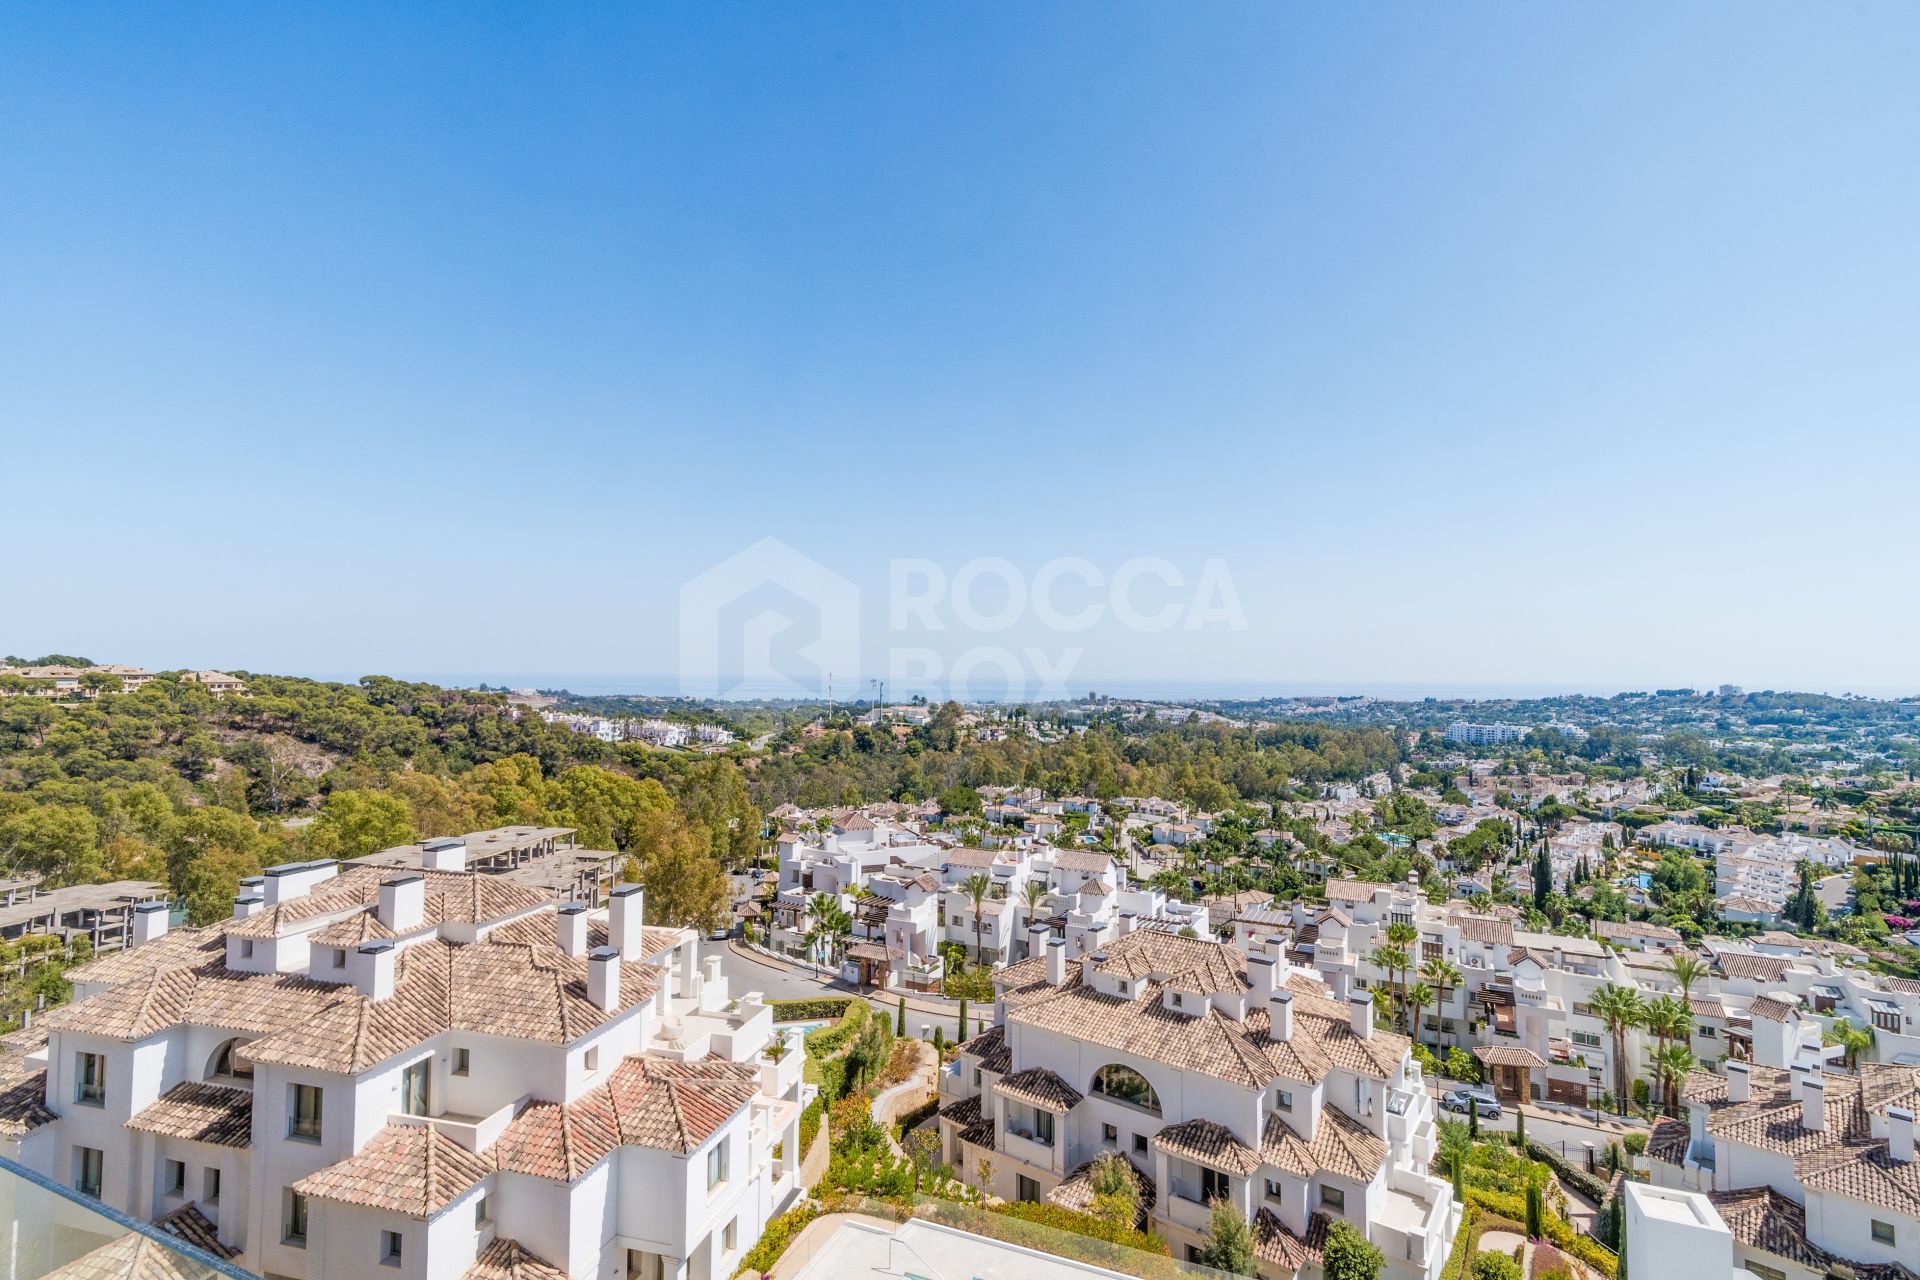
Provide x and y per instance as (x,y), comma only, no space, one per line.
(1495,1266)
(811,1009)
(1592,1187)
(827,1041)
(776,1236)
(1636,1143)
(1081,1224)
(810,1124)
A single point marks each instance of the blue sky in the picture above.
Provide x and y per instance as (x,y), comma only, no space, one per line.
(1483,344)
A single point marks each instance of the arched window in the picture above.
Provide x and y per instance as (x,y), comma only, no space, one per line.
(223,1063)
(1124,1084)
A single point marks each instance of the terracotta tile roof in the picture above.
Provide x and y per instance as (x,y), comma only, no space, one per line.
(1770,1119)
(1706,1007)
(177,948)
(1165,955)
(404,1168)
(351,931)
(648,1101)
(1484,929)
(1039,1087)
(965,1112)
(1148,1028)
(1763,1219)
(1508,1055)
(1768,1007)
(1633,929)
(201,1112)
(457,896)
(194,1227)
(990,1046)
(1340,1144)
(1081,860)
(1209,1143)
(1273,1243)
(1741,964)
(131,1257)
(1863,1171)
(132,1011)
(23,1097)
(1669,1141)
(968,857)
(1075,1191)
(1353,890)
(508,1260)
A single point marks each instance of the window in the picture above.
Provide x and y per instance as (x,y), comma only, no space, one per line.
(225,1065)
(1214,1185)
(462,1061)
(87,1163)
(1765,1272)
(90,1080)
(1283,1100)
(1706,1033)
(1273,1189)
(1140,1143)
(1884,1018)
(1882,1232)
(293,1228)
(246,948)
(730,1238)
(1333,1198)
(1043,1127)
(416,1089)
(390,1247)
(482,1212)
(303,1120)
(338,957)
(1026,1189)
(210,1187)
(1124,1084)
(1587,1039)
(593,1059)
(175,1181)
(717,1165)
(1109,1134)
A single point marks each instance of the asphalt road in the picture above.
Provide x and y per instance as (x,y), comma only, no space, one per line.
(745,973)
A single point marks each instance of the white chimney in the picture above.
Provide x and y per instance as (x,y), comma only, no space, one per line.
(572,927)
(1813,1102)
(149,922)
(1360,1014)
(247,905)
(403,902)
(1739,1082)
(1036,939)
(1277,947)
(296,879)
(1900,1134)
(1797,1082)
(1280,1015)
(626,911)
(603,978)
(445,854)
(373,965)
(1129,921)
(1260,975)
(1056,962)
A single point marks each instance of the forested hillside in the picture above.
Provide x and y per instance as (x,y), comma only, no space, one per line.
(173,785)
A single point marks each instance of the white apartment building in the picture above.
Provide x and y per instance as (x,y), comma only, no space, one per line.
(1811,1171)
(1217,1075)
(432,1074)
(1485,735)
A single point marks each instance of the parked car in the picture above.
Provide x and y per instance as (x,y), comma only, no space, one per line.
(1461,1100)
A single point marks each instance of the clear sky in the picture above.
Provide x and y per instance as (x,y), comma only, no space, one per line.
(1483,344)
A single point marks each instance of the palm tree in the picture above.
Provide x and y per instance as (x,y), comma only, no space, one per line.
(1852,1037)
(1622,1010)
(1402,937)
(1687,969)
(977,887)
(1393,960)
(1419,996)
(822,909)
(1442,975)
(1672,1065)
(1669,1020)
(1036,893)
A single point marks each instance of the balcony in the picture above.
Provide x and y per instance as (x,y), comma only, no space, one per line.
(50,1228)
(475,1133)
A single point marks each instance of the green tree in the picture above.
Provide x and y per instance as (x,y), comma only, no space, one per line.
(1622,1009)
(977,887)
(1347,1255)
(1116,1191)
(1229,1245)
(1442,975)
(60,842)
(685,886)
(353,824)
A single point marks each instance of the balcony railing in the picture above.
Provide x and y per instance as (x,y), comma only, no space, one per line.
(52,1229)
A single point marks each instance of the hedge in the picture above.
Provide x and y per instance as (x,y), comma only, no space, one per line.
(1081,1224)
(1592,1187)
(778,1234)
(810,1124)
(812,1008)
(914,1118)
(1559,1231)
(828,1041)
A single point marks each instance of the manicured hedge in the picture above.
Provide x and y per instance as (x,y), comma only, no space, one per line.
(810,1124)
(828,1041)
(812,1009)
(779,1233)
(1081,1224)
(1593,1188)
